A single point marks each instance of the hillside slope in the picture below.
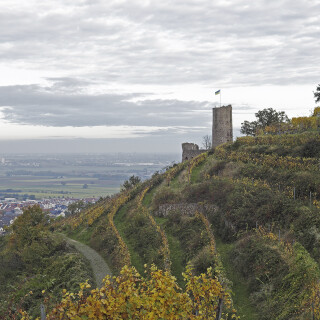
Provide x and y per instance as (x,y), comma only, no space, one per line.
(256,200)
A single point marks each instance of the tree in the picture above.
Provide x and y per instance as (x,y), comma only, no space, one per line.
(265,117)
(131,182)
(249,128)
(28,227)
(317,94)
(206,142)
(76,207)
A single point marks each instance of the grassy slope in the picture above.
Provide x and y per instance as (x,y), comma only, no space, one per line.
(82,234)
(196,172)
(240,289)
(176,254)
(240,296)
(119,221)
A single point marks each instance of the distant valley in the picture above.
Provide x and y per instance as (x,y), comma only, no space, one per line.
(37,176)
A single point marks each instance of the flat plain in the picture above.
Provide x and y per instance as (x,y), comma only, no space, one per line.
(74,176)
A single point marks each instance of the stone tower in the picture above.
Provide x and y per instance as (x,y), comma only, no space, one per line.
(221,125)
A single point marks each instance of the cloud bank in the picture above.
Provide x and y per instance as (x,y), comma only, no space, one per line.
(115,66)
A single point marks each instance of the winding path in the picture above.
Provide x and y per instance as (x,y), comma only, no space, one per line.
(99,266)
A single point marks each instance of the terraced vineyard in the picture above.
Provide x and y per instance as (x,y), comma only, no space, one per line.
(248,212)
(265,193)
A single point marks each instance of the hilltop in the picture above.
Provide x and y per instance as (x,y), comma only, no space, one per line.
(249,210)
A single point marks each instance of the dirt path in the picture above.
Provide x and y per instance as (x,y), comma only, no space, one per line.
(99,267)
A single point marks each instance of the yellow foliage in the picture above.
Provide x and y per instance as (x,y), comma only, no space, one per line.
(123,249)
(306,122)
(282,139)
(316,112)
(156,296)
(269,160)
(173,172)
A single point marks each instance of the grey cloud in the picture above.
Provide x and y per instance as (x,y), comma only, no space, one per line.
(53,106)
(169,42)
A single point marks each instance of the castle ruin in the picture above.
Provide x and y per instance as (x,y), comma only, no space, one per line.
(190,150)
(222,132)
(221,125)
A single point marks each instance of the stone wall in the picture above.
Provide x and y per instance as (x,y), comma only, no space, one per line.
(190,150)
(221,125)
(187,209)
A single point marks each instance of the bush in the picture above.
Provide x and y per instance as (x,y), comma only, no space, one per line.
(203,260)
(165,195)
(210,191)
(213,167)
(144,238)
(191,233)
(311,149)
(281,277)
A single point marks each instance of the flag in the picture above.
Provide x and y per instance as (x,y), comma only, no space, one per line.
(217,92)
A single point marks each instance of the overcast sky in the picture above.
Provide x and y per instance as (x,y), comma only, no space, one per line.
(99,76)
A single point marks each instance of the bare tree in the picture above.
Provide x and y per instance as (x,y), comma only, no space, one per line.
(207,142)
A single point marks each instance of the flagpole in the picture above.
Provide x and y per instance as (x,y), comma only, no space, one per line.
(219,93)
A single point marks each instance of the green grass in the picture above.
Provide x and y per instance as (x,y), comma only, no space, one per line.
(63,191)
(45,187)
(148,197)
(175,183)
(119,221)
(240,288)
(160,220)
(196,172)
(176,257)
(82,234)
(176,253)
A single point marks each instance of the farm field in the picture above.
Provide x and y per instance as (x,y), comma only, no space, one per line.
(74,176)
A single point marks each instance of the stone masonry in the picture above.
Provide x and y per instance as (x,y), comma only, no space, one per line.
(190,150)
(222,132)
(221,125)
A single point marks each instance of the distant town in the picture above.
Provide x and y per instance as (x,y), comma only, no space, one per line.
(11,208)
(54,181)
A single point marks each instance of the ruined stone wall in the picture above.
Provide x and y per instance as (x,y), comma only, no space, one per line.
(222,131)
(190,150)
(187,209)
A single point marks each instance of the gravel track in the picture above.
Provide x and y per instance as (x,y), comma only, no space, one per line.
(99,266)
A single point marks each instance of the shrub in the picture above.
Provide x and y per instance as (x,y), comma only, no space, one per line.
(165,195)
(203,260)
(144,238)
(213,167)
(283,279)
(311,149)
(208,191)
(191,233)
